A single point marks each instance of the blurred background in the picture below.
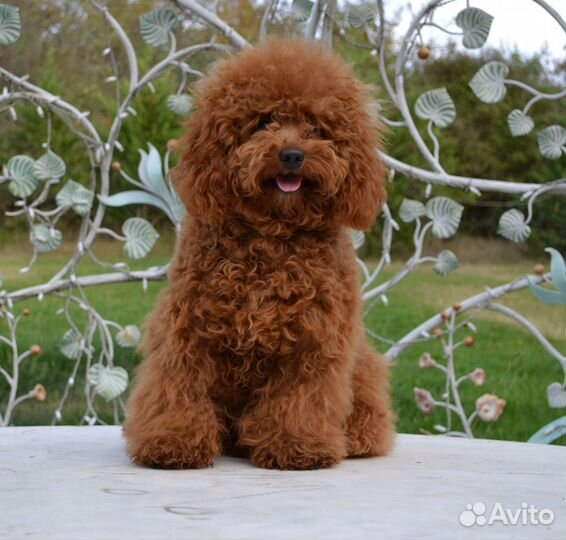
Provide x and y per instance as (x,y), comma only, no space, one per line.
(61,51)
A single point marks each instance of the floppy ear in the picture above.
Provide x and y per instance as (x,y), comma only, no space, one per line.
(363,193)
(200,178)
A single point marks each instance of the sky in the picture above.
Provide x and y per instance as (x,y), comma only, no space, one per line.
(517,23)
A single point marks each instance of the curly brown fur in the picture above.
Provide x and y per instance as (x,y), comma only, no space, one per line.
(257,346)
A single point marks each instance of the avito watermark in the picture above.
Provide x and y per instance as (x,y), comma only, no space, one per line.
(527,514)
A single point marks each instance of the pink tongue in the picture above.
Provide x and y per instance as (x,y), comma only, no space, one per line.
(288,184)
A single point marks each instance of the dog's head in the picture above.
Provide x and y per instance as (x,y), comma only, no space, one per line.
(281,140)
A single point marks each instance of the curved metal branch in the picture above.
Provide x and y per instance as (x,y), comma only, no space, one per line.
(500,186)
(265,20)
(61,112)
(400,87)
(129,48)
(528,88)
(160,67)
(479,300)
(53,101)
(213,20)
(381,46)
(552,12)
(415,260)
(530,327)
(314,20)
(87,281)
(328,23)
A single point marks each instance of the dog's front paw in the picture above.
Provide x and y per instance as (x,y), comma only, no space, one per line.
(298,455)
(174,452)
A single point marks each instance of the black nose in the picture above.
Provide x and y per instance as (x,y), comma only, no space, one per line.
(291,158)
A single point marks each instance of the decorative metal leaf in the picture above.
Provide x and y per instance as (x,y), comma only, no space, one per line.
(411,210)
(445,215)
(358,239)
(24,181)
(436,105)
(156,25)
(558,276)
(552,141)
(10,24)
(520,124)
(77,197)
(137,197)
(140,237)
(557,269)
(150,171)
(72,344)
(488,84)
(359,15)
(129,336)
(556,396)
(45,239)
(555,298)
(446,262)
(513,227)
(180,104)
(109,382)
(49,166)
(475,23)
(302,9)
(550,432)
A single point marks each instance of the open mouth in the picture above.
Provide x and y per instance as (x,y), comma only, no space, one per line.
(289,183)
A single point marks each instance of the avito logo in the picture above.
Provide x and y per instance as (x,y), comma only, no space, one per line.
(527,514)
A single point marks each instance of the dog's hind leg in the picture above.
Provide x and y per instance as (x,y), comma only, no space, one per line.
(370,427)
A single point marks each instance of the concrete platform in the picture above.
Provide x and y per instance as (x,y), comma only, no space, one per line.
(76,483)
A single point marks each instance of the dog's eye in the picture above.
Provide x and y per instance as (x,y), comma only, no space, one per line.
(317,131)
(263,122)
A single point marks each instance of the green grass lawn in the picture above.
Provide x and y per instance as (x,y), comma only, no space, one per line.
(518,369)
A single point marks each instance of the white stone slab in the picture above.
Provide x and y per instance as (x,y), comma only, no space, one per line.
(76,483)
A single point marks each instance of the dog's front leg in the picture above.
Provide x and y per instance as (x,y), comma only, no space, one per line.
(298,422)
(171,421)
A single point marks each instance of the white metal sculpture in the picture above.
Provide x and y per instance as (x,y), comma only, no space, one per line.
(30,181)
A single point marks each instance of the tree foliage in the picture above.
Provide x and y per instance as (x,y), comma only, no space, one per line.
(477,144)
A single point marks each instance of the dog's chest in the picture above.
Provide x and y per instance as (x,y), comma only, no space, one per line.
(267,301)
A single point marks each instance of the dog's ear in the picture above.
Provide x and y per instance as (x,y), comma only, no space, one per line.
(199,177)
(363,193)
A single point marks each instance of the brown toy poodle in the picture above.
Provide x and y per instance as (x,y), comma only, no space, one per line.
(257,346)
